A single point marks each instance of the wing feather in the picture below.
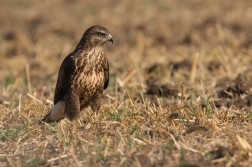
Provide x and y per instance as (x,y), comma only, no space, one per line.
(66,73)
(106,74)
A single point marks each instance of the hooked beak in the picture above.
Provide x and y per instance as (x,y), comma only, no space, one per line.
(110,38)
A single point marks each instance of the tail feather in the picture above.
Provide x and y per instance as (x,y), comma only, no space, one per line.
(56,114)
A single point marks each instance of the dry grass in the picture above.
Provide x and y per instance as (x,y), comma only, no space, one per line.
(180,89)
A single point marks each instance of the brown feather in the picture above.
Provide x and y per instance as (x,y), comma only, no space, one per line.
(106,75)
(83,75)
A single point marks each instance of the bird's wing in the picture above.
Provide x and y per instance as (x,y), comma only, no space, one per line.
(106,74)
(66,72)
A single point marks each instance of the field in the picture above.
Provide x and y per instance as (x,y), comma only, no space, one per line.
(180,91)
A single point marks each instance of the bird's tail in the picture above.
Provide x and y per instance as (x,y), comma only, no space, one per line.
(56,114)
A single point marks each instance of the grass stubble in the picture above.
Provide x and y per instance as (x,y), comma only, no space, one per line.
(157,110)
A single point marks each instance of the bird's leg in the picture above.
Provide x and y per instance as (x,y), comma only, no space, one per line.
(72,104)
(95,104)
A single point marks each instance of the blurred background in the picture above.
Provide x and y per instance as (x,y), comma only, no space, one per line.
(163,35)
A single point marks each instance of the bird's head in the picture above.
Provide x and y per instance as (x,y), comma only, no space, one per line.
(97,35)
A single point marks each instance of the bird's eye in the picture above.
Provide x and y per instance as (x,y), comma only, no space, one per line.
(100,34)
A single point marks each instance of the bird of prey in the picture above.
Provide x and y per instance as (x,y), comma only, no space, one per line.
(83,76)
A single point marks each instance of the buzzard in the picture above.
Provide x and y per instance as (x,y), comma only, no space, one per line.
(83,76)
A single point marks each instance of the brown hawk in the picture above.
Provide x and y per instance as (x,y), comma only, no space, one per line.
(83,76)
